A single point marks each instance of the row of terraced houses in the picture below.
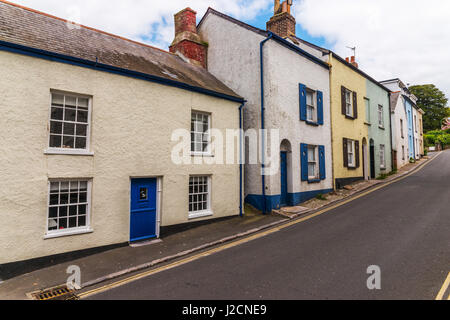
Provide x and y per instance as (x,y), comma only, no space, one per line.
(88,123)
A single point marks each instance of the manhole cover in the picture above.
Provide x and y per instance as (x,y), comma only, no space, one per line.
(57,293)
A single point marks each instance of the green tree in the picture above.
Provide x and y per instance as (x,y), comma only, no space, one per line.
(433,102)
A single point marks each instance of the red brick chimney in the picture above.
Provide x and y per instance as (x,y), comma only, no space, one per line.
(282,23)
(187,42)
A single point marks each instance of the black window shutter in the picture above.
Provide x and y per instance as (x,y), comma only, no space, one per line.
(345,152)
(357,153)
(355,105)
(343,101)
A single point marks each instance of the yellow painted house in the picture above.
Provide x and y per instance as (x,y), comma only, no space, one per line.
(348,121)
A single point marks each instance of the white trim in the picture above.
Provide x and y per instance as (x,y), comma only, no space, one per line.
(68,232)
(208,152)
(71,151)
(49,234)
(203,213)
(351,143)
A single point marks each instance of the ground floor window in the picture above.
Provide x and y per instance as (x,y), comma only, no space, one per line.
(351,153)
(382,156)
(199,196)
(312,163)
(403,152)
(69,205)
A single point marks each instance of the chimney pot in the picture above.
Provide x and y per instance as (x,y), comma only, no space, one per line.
(282,23)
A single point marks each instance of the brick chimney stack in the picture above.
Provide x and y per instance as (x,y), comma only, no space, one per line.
(187,42)
(282,23)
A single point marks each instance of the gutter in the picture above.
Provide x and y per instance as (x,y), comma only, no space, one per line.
(95,65)
(241,164)
(263,143)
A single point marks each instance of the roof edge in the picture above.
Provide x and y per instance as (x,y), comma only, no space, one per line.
(57,57)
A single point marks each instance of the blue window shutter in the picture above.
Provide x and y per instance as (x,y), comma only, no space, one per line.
(302,95)
(320,107)
(322,167)
(304,161)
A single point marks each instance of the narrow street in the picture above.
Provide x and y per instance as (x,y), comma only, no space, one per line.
(403,228)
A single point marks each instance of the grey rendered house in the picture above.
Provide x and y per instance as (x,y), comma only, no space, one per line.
(288,94)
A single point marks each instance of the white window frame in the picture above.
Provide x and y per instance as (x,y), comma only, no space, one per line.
(380,116)
(312,107)
(207,133)
(402,129)
(49,234)
(367,105)
(201,213)
(382,156)
(348,103)
(351,146)
(315,152)
(70,151)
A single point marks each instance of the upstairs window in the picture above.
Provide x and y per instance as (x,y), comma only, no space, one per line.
(367,102)
(69,122)
(401,128)
(200,137)
(349,101)
(310,106)
(380,116)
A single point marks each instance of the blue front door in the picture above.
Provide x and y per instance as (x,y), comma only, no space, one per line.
(143,209)
(283,167)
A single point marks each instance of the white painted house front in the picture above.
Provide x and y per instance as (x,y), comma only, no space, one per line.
(406,126)
(292,99)
(87,138)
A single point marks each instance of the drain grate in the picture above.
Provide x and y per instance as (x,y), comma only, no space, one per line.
(57,293)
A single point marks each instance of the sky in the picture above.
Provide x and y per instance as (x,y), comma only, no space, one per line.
(406,39)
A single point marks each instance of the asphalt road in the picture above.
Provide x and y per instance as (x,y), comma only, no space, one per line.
(403,228)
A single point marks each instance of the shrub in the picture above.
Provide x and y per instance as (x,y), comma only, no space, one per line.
(321,197)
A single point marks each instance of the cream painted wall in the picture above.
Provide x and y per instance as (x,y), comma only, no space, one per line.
(342,75)
(132,124)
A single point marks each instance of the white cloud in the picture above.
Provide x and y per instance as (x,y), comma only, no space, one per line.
(150,21)
(408,39)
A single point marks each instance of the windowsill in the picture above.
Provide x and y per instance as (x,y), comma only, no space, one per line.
(66,233)
(351,168)
(200,214)
(349,117)
(367,123)
(383,168)
(70,152)
(203,155)
(313,180)
(312,123)
(382,127)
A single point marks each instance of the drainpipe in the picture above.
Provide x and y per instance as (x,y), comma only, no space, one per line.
(390,131)
(241,213)
(263,182)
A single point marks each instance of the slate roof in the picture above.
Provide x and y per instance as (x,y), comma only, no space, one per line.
(31,28)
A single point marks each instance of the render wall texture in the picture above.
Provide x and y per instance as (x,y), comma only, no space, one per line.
(233,58)
(355,129)
(399,138)
(236,62)
(381,135)
(132,124)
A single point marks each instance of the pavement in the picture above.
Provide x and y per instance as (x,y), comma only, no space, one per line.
(401,229)
(114,264)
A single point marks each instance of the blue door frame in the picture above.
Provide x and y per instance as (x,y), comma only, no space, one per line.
(283,172)
(143,209)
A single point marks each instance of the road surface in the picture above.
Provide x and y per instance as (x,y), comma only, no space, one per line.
(403,228)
